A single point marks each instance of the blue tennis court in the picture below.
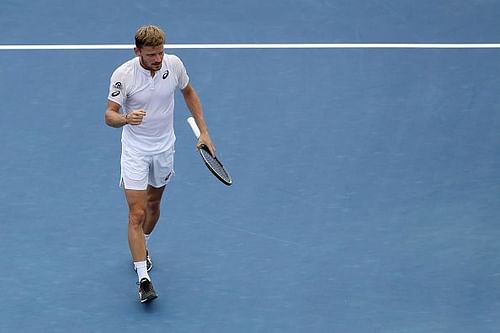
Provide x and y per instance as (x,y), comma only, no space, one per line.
(366,181)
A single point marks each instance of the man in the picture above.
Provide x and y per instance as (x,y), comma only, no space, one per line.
(141,101)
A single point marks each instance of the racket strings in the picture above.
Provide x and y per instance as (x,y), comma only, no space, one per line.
(215,166)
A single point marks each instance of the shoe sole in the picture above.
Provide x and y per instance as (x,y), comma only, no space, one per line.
(149,297)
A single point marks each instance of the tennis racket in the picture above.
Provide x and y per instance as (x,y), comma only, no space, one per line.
(213,164)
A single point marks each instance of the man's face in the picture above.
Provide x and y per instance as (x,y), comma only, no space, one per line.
(151,57)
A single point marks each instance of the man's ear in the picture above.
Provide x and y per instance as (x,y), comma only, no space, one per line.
(137,51)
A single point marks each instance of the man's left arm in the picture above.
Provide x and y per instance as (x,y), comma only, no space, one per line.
(194,105)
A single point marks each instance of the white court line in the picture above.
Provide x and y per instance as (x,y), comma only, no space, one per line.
(257,46)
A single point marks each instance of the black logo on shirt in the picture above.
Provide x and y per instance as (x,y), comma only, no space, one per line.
(165,75)
(117,85)
(115,93)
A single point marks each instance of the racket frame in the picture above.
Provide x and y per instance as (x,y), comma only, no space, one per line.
(203,148)
(226,180)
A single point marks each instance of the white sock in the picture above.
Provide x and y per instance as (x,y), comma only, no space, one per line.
(142,271)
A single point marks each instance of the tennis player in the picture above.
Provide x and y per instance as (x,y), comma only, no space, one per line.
(141,101)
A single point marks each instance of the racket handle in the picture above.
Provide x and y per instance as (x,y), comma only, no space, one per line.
(194,127)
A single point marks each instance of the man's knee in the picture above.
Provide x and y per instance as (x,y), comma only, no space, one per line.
(137,216)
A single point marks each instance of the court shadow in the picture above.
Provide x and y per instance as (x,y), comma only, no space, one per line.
(151,307)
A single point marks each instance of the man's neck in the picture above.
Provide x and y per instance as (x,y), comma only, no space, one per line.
(152,72)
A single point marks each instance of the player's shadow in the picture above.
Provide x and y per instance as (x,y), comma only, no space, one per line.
(153,306)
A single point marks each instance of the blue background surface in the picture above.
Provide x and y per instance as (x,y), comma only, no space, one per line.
(365,194)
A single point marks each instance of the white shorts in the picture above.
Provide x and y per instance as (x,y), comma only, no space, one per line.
(139,171)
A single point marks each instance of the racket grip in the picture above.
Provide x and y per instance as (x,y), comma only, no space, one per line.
(194,127)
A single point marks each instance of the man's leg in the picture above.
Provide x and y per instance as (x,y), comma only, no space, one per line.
(137,204)
(160,173)
(154,196)
(135,188)
(152,216)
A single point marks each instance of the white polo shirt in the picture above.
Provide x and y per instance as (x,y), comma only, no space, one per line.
(133,88)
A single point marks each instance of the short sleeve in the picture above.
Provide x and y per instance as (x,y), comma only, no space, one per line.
(117,92)
(180,71)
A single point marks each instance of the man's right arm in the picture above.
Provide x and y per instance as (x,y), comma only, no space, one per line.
(113,117)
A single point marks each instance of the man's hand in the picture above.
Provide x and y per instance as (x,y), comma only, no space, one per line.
(135,117)
(205,139)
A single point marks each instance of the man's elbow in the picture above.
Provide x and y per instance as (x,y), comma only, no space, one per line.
(108,118)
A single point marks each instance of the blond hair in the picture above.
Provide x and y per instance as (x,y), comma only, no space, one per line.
(149,35)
